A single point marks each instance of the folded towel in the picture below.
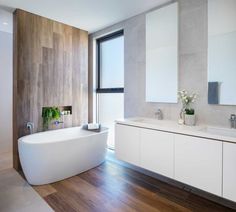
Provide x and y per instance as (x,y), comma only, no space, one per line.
(213,92)
(99,129)
(93,126)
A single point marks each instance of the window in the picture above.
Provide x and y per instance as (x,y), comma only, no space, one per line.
(110,86)
(111,63)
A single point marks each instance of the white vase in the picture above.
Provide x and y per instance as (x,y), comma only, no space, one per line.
(189,120)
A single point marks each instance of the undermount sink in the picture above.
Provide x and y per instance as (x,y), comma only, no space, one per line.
(219,131)
(148,121)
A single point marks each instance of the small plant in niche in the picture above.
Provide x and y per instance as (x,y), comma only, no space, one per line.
(187,114)
(49,114)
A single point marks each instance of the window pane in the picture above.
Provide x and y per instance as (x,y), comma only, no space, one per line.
(112,63)
(110,108)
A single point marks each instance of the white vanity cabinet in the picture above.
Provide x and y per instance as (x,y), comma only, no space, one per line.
(157,152)
(127,143)
(198,162)
(229,171)
(202,160)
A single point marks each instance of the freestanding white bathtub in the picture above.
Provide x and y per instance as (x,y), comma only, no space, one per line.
(51,156)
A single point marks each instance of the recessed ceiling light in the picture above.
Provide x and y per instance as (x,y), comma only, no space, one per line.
(5,23)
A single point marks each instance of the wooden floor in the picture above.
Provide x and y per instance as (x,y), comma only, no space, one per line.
(112,187)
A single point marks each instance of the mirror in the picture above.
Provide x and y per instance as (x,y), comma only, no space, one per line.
(222,52)
(162,54)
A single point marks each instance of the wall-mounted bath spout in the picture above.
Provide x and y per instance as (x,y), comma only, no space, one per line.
(61,121)
(159,114)
(30,127)
(58,122)
(233,121)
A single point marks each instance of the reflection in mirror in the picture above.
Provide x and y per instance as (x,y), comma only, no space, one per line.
(162,54)
(222,52)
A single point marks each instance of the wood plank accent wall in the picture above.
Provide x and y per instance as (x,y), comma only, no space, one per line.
(50,69)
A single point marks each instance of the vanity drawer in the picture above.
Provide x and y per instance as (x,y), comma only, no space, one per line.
(229,171)
(127,143)
(157,152)
(198,162)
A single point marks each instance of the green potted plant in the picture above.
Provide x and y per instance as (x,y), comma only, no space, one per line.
(49,114)
(189,117)
(187,113)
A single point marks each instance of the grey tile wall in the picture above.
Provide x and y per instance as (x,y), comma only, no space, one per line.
(192,65)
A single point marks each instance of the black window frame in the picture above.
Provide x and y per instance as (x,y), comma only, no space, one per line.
(99,41)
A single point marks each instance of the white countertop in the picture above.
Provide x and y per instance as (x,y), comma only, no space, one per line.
(203,131)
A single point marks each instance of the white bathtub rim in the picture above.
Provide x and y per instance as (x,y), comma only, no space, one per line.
(90,134)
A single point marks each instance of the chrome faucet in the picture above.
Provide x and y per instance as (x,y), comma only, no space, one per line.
(58,122)
(159,114)
(233,121)
(30,127)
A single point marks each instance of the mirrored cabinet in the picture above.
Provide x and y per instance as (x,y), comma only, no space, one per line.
(162,54)
(222,52)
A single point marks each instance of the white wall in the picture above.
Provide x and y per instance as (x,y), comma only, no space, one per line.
(6,85)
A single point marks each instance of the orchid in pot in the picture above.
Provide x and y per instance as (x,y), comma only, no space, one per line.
(187,114)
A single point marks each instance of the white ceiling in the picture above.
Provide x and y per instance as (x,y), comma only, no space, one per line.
(90,15)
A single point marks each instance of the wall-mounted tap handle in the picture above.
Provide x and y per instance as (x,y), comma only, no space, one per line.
(30,126)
